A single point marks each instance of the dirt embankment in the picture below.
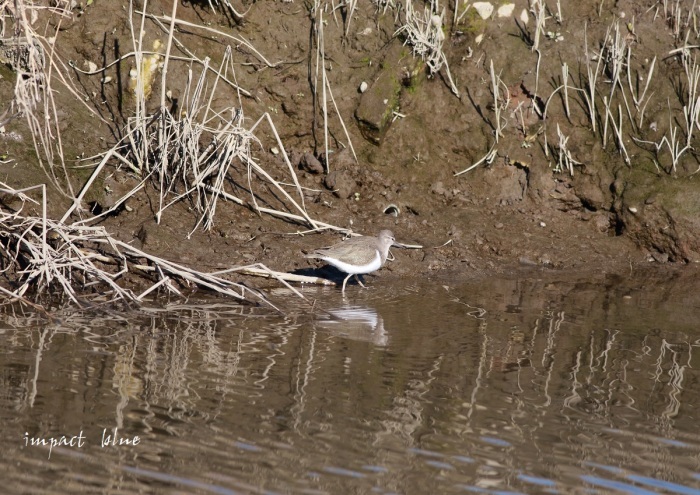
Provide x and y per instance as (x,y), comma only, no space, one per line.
(580,138)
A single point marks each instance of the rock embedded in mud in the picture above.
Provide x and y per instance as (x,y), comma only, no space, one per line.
(339,160)
(484,9)
(668,224)
(290,108)
(603,222)
(295,158)
(376,107)
(438,189)
(505,184)
(341,183)
(592,187)
(659,257)
(310,163)
(375,112)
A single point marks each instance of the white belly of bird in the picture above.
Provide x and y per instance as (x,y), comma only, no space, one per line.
(373,265)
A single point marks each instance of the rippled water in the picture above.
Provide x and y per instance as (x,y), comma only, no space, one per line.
(519,385)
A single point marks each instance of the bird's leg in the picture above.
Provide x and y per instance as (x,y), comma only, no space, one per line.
(346,281)
(360,282)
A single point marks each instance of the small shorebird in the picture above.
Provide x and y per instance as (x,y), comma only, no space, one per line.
(357,255)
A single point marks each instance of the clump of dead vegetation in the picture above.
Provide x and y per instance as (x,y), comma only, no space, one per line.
(188,150)
(191,148)
(86,265)
(612,89)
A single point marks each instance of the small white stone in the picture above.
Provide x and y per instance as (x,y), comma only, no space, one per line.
(524,17)
(632,209)
(275,150)
(479,39)
(107,80)
(505,10)
(363,87)
(484,9)
(92,66)
(542,224)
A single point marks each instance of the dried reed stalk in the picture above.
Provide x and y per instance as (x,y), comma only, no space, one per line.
(423,31)
(86,263)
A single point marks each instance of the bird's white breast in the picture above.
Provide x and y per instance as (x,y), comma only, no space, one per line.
(373,265)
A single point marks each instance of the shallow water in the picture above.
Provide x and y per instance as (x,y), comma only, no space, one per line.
(494,386)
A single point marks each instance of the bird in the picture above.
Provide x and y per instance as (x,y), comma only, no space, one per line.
(358,255)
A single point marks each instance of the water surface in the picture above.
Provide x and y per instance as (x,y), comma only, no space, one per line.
(522,385)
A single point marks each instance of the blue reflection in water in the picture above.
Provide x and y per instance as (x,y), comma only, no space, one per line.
(673,443)
(427,453)
(616,485)
(178,480)
(343,472)
(375,469)
(536,480)
(496,441)
(440,465)
(476,489)
(665,485)
(247,446)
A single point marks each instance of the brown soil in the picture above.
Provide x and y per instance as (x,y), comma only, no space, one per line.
(515,212)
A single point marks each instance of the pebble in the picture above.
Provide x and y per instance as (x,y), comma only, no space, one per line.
(311,164)
(505,10)
(340,183)
(660,257)
(484,9)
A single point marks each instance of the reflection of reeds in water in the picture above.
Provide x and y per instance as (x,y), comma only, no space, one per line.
(567,366)
(551,385)
(599,366)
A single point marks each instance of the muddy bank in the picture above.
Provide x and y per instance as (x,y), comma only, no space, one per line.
(578,142)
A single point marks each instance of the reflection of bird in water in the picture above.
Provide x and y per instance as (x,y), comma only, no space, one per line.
(358,255)
(356,323)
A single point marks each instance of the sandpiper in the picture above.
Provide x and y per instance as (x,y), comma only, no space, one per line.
(358,255)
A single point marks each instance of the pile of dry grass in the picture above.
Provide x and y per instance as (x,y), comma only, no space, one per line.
(192,152)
